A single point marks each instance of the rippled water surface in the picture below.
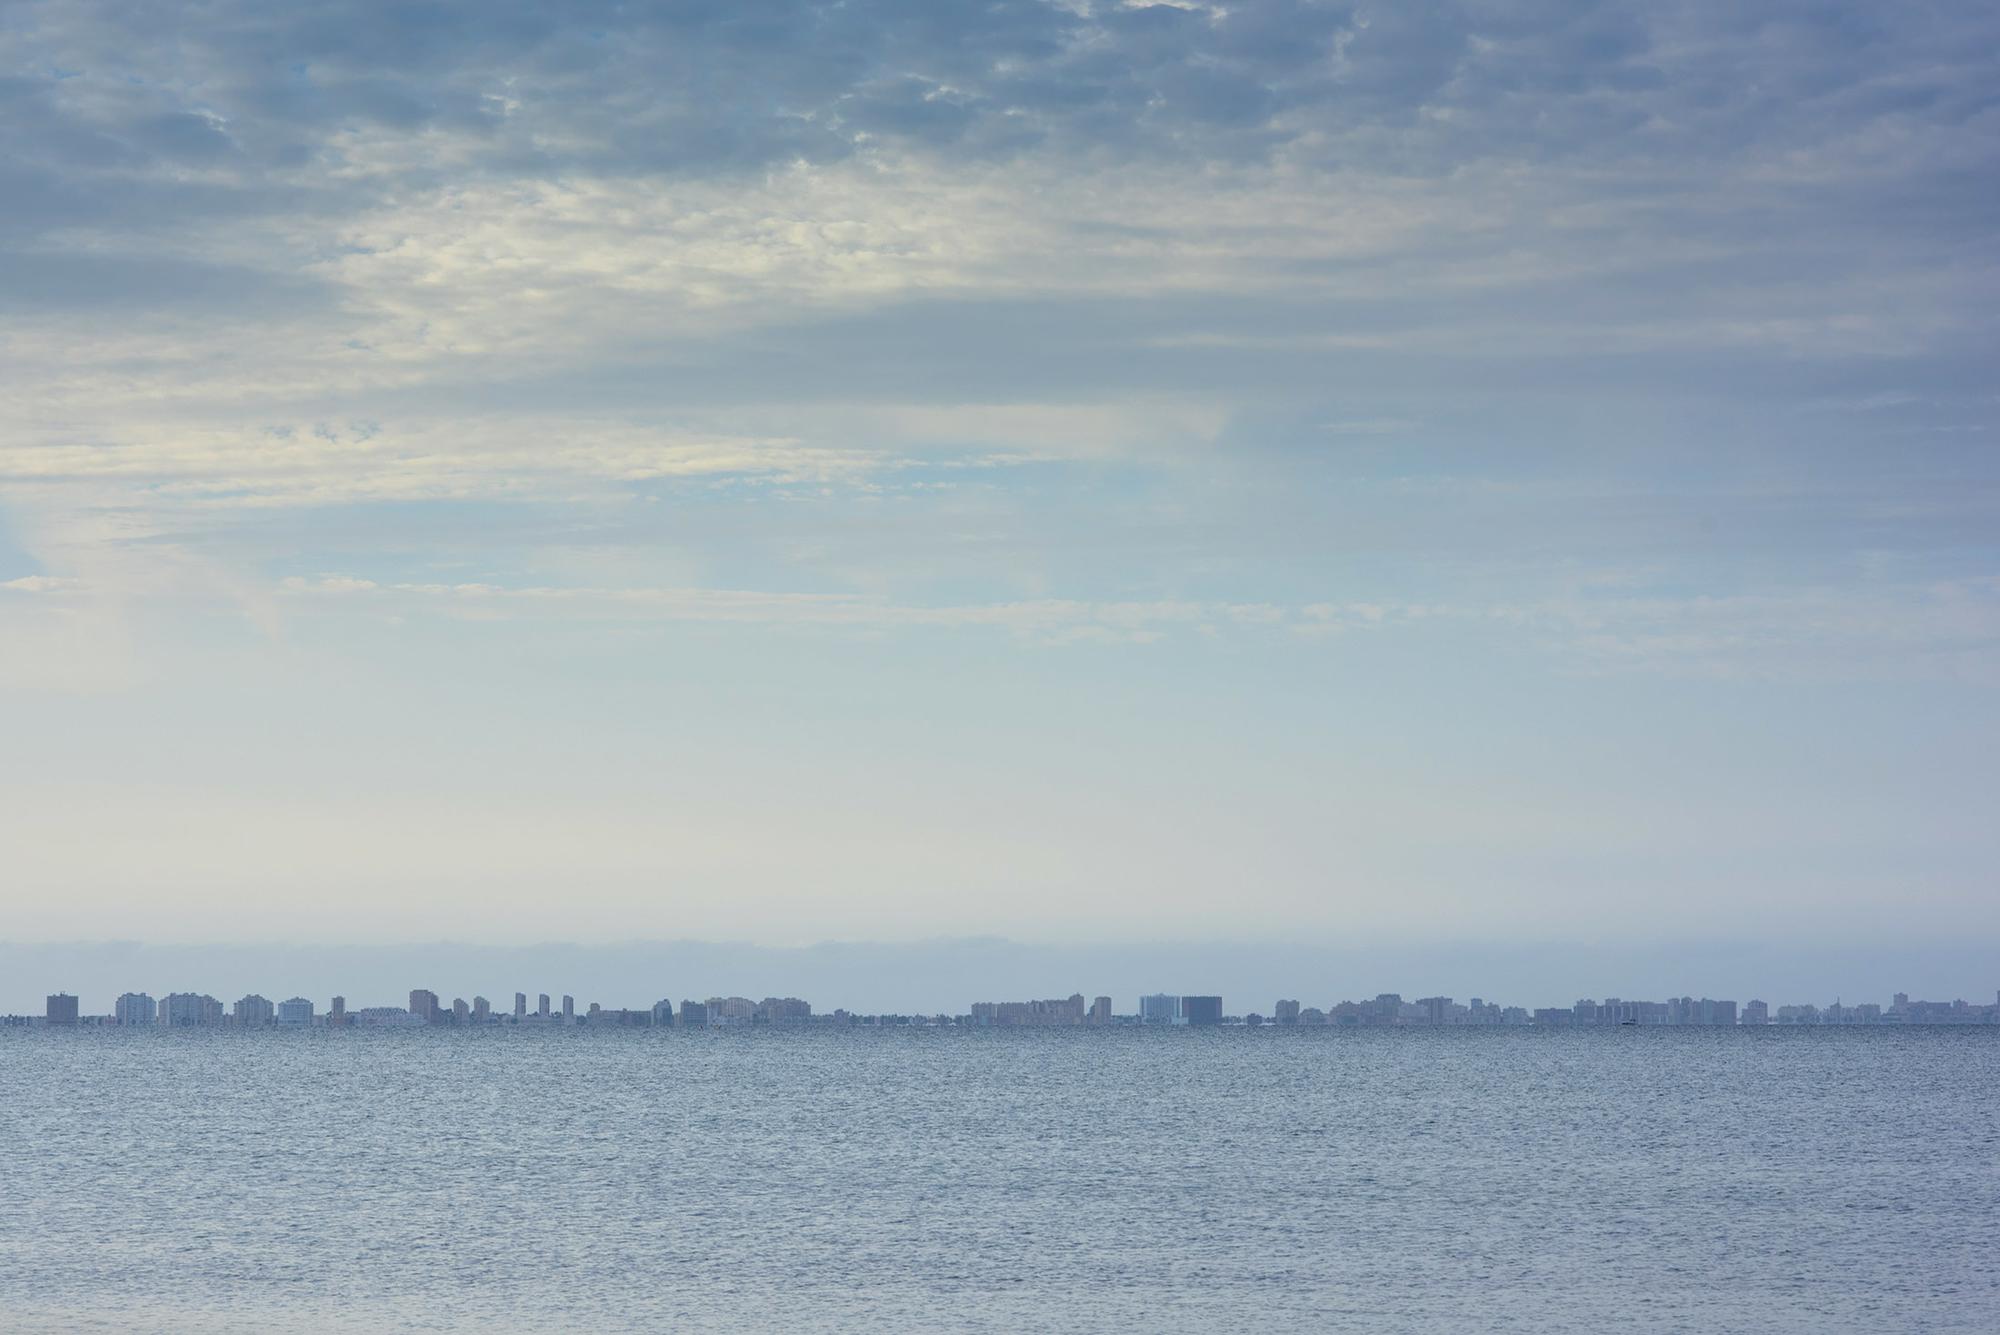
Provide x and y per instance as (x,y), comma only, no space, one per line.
(1238,1180)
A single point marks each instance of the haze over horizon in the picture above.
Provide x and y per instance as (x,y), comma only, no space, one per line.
(946,975)
(1070,472)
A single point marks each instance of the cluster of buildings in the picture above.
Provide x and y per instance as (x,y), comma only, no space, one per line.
(1902,1010)
(1161,1008)
(189,1010)
(1389,1009)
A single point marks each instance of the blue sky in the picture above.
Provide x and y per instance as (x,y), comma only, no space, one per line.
(1066,471)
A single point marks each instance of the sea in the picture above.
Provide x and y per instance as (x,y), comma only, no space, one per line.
(1230,1180)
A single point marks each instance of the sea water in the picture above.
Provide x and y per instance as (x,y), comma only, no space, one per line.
(1242,1180)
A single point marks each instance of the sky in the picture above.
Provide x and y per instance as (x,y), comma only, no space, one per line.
(1070,473)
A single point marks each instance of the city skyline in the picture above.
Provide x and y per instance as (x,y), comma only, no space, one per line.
(945,975)
(191,1010)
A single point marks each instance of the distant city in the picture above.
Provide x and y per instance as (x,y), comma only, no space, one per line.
(195,1010)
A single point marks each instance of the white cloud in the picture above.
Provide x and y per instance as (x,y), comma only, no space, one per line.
(1949,630)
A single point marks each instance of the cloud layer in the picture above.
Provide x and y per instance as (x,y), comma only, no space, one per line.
(1456,351)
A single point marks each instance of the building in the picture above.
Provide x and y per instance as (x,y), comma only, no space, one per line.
(1007,1014)
(253,1012)
(1756,1012)
(569,1009)
(1100,1011)
(297,1012)
(60,1009)
(336,1014)
(386,1017)
(542,1006)
(188,1010)
(482,1010)
(783,1010)
(619,1019)
(135,1008)
(1435,1009)
(1707,1011)
(424,1005)
(1285,1012)
(1386,1008)
(694,1015)
(460,1012)
(1160,1008)
(663,1012)
(730,1012)
(1200,1011)
(520,1007)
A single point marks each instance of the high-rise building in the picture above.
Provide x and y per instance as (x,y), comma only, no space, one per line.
(297,1012)
(460,1012)
(1756,1012)
(1159,1008)
(783,1010)
(187,1010)
(336,1014)
(482,1010)
(569,1009)
(619,1018)
(384,1017)
(1200,1010)
(542,1007)
(424,1005)
(61,1009)
(727,1012)
(252,1012)
(663,1012)
(1286,1011)
(1055,1011)
(135,1008)
(1100,1011)
(520,1007)
(694,1015)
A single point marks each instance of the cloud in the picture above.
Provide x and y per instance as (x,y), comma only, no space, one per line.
(336,463)
(40,584)
(1097,304)
(1054,620)
(385,193)
(1946,631)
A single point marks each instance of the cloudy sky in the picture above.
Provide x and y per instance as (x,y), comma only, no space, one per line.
(1073,471)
